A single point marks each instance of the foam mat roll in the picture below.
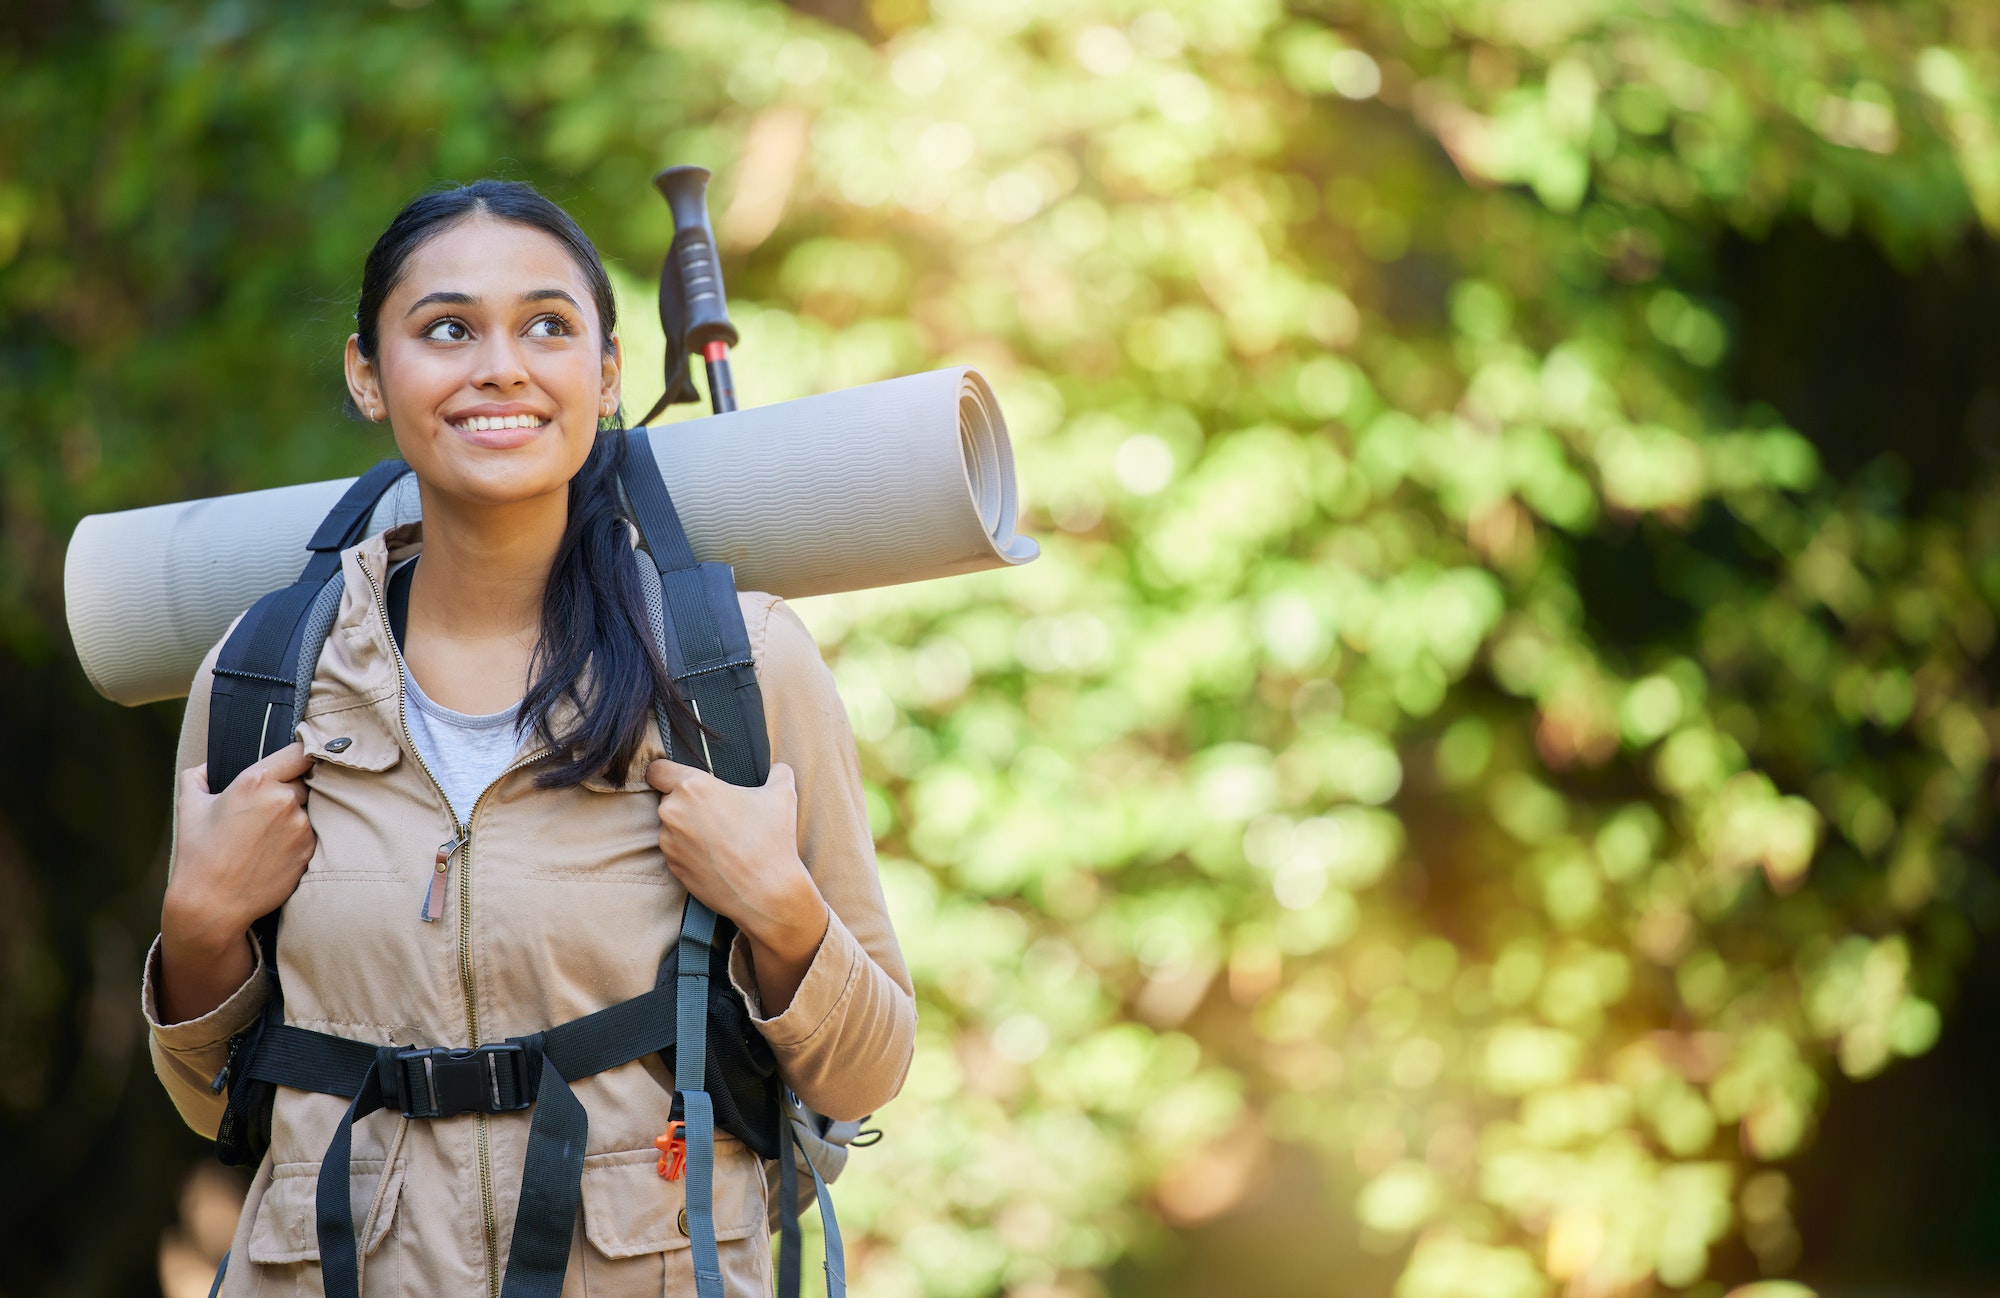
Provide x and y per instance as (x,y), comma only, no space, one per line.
(891,482)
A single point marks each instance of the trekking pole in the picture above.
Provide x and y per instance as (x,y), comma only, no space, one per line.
(693,309)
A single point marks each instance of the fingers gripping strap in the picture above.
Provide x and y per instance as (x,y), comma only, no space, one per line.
(690,1067)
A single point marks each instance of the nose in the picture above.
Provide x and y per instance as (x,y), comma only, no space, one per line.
(497,363)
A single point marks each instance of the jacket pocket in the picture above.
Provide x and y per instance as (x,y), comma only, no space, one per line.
(351,738)
(287,1224)
(630,1210)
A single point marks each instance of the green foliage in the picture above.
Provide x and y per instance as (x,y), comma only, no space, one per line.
(1310,789)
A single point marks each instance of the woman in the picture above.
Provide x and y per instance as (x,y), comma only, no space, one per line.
(513,725)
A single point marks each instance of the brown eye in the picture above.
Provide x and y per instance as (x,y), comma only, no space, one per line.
(448,330)
(549,326)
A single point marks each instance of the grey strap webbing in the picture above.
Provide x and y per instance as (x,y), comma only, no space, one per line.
(789,1246)
(698,1111)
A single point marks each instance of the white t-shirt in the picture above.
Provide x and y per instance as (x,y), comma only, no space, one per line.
(465,752)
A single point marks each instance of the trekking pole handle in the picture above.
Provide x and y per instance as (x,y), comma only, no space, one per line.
(686,192)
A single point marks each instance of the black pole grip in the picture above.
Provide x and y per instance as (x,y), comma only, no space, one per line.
(694,254)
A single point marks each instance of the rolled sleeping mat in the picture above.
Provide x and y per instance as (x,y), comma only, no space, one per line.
(891,482)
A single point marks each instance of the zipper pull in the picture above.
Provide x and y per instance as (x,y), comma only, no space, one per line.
(433,910)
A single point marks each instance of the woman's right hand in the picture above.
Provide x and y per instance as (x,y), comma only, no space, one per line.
(238,855)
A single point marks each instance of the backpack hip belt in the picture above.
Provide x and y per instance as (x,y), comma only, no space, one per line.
(534,1073)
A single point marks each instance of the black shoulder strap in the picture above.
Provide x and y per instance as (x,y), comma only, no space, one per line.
(709,641)
(252,700)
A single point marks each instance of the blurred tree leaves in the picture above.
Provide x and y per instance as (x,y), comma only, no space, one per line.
(1449,730)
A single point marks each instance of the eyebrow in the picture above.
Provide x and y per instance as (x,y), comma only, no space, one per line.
(550,294)
(467,299)
(440,299)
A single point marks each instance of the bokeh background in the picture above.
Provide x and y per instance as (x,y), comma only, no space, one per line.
(1486,793)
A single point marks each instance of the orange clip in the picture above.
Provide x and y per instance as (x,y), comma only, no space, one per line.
(673,1149)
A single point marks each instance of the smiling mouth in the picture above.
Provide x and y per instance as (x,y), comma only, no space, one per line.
(486,423)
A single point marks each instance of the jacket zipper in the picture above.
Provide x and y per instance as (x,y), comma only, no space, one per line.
(489,1214)
(434,899)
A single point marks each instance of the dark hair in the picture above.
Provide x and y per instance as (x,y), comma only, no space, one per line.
(593,614)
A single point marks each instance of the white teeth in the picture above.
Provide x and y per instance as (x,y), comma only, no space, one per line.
(487,423)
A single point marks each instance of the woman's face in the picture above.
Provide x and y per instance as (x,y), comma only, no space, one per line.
(490,364)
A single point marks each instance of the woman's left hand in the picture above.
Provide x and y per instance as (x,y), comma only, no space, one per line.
(737,850)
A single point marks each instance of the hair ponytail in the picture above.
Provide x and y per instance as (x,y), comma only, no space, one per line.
(593,616)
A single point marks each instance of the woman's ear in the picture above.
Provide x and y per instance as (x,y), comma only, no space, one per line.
(614,363)
(364,385)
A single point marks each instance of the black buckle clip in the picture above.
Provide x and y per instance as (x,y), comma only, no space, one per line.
(445,1081)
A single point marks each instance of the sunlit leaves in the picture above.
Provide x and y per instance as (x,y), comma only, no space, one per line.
(1355,547)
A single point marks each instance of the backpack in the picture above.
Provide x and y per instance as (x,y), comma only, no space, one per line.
(692,1017)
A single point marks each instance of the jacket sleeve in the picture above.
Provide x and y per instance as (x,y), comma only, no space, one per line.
(187,1056)
(845,1042)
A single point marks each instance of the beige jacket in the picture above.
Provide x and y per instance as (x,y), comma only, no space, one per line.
(560,905)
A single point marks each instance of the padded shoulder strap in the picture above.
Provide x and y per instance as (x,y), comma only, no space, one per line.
(252,703)
(709,648)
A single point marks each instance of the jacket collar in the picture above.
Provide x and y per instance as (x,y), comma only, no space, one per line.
(357,692)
